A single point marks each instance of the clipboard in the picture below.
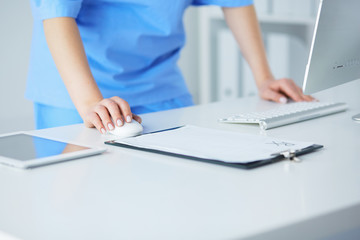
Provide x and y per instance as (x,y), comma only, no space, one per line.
(160,140)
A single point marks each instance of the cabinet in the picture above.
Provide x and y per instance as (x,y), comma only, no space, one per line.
(287,28)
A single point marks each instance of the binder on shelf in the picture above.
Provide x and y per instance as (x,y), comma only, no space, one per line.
(279,53)
(293,8)
(218,146)
(228,66)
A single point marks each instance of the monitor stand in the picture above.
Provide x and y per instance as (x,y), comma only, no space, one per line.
(356,117)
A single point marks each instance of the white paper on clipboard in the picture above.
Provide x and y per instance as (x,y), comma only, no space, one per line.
(220,145)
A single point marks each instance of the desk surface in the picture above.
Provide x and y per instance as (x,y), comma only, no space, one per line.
(128,194)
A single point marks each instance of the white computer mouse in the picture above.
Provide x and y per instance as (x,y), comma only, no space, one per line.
(128,129)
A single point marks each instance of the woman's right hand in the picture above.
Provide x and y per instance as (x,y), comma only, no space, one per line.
(109,111)
(66,46)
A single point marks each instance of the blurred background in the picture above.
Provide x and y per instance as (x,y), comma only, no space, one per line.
(211,62)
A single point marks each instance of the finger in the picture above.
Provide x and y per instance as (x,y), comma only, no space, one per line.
(309,98)
(104,115)
(306,98)
(273,96)
(301,94)
(137,118)
(88,124)
(289,88)
(114,110)
(124,107)
(95,120)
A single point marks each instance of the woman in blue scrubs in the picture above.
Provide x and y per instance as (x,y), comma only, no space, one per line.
(95,61)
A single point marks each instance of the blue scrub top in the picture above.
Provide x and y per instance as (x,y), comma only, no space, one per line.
(132,47)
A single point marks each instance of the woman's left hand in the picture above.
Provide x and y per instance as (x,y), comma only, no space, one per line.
(281,90)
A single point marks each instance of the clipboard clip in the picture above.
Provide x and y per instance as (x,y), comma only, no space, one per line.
(290,155)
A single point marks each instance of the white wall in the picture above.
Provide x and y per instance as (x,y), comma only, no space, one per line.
(15,35)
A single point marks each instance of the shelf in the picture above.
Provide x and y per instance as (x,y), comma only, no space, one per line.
(209,28)
(288,20)
(215,13)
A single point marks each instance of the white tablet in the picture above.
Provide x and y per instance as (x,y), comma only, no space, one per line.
(25,150)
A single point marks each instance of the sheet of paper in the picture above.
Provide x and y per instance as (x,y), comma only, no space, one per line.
(226,146)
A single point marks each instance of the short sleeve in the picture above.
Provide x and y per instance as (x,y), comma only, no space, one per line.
(45,9)
(223,3)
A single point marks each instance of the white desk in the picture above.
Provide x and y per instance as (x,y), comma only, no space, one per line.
(127,194)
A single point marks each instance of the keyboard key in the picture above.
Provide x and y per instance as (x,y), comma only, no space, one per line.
(287,114)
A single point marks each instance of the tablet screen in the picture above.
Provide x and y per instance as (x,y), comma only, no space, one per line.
(25,147)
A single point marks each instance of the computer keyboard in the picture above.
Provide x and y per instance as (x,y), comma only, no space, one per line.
(287,114)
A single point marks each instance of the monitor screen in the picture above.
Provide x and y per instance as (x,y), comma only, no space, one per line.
(335,52)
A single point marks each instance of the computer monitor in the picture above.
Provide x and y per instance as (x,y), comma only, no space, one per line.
(335,51)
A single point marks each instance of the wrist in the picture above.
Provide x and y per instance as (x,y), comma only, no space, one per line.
(263,80)
(86,105)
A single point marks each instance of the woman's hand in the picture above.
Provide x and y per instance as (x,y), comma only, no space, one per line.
(245,27)
(65,44)
(282,89)
(109,111)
